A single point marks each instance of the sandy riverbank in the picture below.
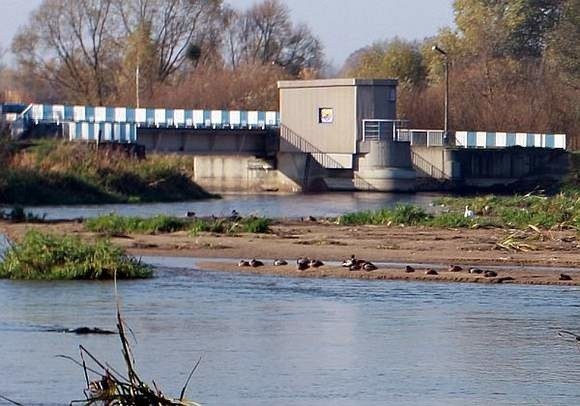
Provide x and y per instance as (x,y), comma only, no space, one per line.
(332,242)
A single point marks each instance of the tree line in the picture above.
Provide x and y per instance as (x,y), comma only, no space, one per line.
(91,51)
(514,64)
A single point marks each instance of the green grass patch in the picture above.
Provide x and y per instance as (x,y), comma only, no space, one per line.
(114,224)
(400,214)
(42,256)
(255,225)
(519,212)
(547,212)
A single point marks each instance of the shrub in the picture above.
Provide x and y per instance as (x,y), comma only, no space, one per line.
(51,257)
(256,225)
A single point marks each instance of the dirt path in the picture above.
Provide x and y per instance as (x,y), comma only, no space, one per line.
(332,242)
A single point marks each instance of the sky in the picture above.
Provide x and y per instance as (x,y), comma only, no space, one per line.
(343,26)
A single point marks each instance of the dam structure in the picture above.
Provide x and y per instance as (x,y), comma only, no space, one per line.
(329,134)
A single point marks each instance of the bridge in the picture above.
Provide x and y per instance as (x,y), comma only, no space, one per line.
(122,124)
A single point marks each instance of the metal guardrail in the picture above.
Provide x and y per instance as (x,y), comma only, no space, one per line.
(382,129)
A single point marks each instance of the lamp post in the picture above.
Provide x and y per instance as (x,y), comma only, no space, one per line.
(137,77)
(446,58)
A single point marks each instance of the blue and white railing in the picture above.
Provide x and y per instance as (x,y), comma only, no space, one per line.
(120,124)
(484,139)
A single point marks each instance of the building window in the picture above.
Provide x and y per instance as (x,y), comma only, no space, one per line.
(325,115)
(392,94)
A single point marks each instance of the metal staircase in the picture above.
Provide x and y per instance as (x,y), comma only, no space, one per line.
(322,158)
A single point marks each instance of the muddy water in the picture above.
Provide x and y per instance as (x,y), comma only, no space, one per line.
(275,341)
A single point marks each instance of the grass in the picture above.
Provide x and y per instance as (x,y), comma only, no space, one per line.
(546,212)
(253,225)
(518,212)
(41,256)
(54,172)
(400,214)
(113,224)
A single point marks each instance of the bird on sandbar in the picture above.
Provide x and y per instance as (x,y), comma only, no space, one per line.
(254,263)
(355,267)
(468,213)
(565,277)
(409,269)
(315,263)
(280,262)
(490,274)
(302,264)
(347,263)
(475,270)
(369,266)
(431,272)
(244,262)
(454,268)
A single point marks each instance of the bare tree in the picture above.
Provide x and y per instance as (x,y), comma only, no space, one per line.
(264,34)
(175,26)
(68,43)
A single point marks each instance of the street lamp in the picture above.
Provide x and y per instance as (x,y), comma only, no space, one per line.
(446,58)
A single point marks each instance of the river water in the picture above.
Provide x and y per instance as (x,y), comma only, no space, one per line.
(268,341)
(266,205)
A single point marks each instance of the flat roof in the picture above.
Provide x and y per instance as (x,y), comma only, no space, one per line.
(296,84)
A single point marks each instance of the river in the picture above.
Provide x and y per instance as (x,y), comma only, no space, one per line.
(269,341)
(266,205)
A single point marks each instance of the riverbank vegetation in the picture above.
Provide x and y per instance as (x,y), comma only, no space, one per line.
(52,172)
(43,256)
(113,224)
(518,212)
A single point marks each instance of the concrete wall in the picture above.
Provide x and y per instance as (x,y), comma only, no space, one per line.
(241,173)
(300,102)
(510,163)
(489,168)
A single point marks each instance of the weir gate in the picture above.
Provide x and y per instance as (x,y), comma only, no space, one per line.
(337,134)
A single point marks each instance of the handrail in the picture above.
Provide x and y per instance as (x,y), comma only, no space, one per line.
(382,129)
(321,157)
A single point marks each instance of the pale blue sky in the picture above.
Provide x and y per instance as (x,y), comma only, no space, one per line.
(343,25)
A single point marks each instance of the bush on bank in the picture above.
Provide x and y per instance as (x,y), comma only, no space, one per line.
(41,256)
(55,172)
(560,211)
(113,224)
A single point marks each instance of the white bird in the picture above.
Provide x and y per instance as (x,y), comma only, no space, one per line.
(468,213)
